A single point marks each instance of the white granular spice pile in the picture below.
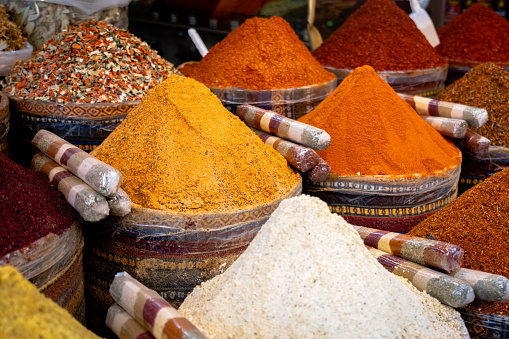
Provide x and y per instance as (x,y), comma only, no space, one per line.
(307,274)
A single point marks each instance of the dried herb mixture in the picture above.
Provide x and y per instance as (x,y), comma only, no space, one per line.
(92,62)
(11,38)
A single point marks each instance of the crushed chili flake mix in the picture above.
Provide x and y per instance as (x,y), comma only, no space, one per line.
(92,62)
(30,207)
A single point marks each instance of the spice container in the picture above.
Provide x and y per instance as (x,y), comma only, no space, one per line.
(4,123)
(484,326)
(422,82)
(168,252)
(9,58)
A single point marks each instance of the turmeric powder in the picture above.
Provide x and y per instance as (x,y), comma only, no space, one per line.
(180,150)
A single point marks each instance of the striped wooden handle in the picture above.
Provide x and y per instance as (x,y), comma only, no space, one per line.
(283,127)
(475,117)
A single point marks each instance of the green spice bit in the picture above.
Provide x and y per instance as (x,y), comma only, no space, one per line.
(84,65)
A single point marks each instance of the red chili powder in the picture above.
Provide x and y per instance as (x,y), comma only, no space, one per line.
(30,207)
(260,54)
(478,34)
(381,35)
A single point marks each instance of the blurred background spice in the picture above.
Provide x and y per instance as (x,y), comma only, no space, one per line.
(11,38)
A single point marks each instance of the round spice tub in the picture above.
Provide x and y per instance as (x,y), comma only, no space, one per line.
(476,168)
(168,252)
(54,264)
(457,69)
(291,102)
(484,326)
(423,82)
(83,125)
(387,203)
(4,123)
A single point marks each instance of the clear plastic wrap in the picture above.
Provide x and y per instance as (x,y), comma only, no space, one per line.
(124,325)
(476,168)
(291,102)
(475,117)
(431,253)
(120,204)
(285,128)
(168,252)
(149,308)
(390,203)
(424,82)
(473,143)
(448,290)
(485,326)
(40,20)
(452,128)
(320,171)
(486,286)
(8,58)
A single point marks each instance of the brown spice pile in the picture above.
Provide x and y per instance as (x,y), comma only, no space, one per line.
(11,38)
(485,86)
(180,150)
(478,221)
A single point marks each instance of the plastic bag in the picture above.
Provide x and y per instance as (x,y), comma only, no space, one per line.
(40,20)
(8,58)
(292,102)
(423,82)
(390,203)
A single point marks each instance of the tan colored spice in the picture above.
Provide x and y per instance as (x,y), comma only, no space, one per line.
(181,150)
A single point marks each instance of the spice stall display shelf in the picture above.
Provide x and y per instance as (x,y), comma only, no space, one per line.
(292,102)
(423,82)
(168,252)
(4,123)
(54,264)
(387,203)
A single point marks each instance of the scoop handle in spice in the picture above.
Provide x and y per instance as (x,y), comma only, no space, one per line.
(120,205)
(283,127)
(90,205)
(475,117)
(100,176)
(125,326)
(151,310)
(486,286)
(300,157)
(321,170)
(452,128)
(448,290)
(431,253)
(473,143)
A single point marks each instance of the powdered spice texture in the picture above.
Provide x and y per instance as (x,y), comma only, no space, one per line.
(30,207)
(374,132)
(260,54)
(381,35)
(181,150)
(92,62)
(478,34)
(485,86)
(307,274)
(478,222)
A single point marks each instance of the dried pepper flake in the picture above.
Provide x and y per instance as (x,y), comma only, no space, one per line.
(92,62)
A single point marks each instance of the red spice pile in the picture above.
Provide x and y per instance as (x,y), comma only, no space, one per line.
(30,207)
(261,54)
(478,34)
(381,35)
(478,222)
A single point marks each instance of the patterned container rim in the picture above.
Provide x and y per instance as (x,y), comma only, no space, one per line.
(44,252)
(465,66)
(73,110)
(396,77)
(490,322)
(167,222)
(233,95)
(386,185)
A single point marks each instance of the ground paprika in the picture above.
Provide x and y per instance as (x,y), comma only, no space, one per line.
(381,35)
(375,132)
(261,54)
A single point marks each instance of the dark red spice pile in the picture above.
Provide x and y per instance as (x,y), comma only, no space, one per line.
(478,222)
(478,34)
(381,35)
(30,207)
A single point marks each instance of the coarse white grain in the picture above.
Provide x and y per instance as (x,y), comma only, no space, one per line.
(307,274)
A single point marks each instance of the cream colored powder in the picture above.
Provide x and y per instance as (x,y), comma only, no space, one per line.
(307,274)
